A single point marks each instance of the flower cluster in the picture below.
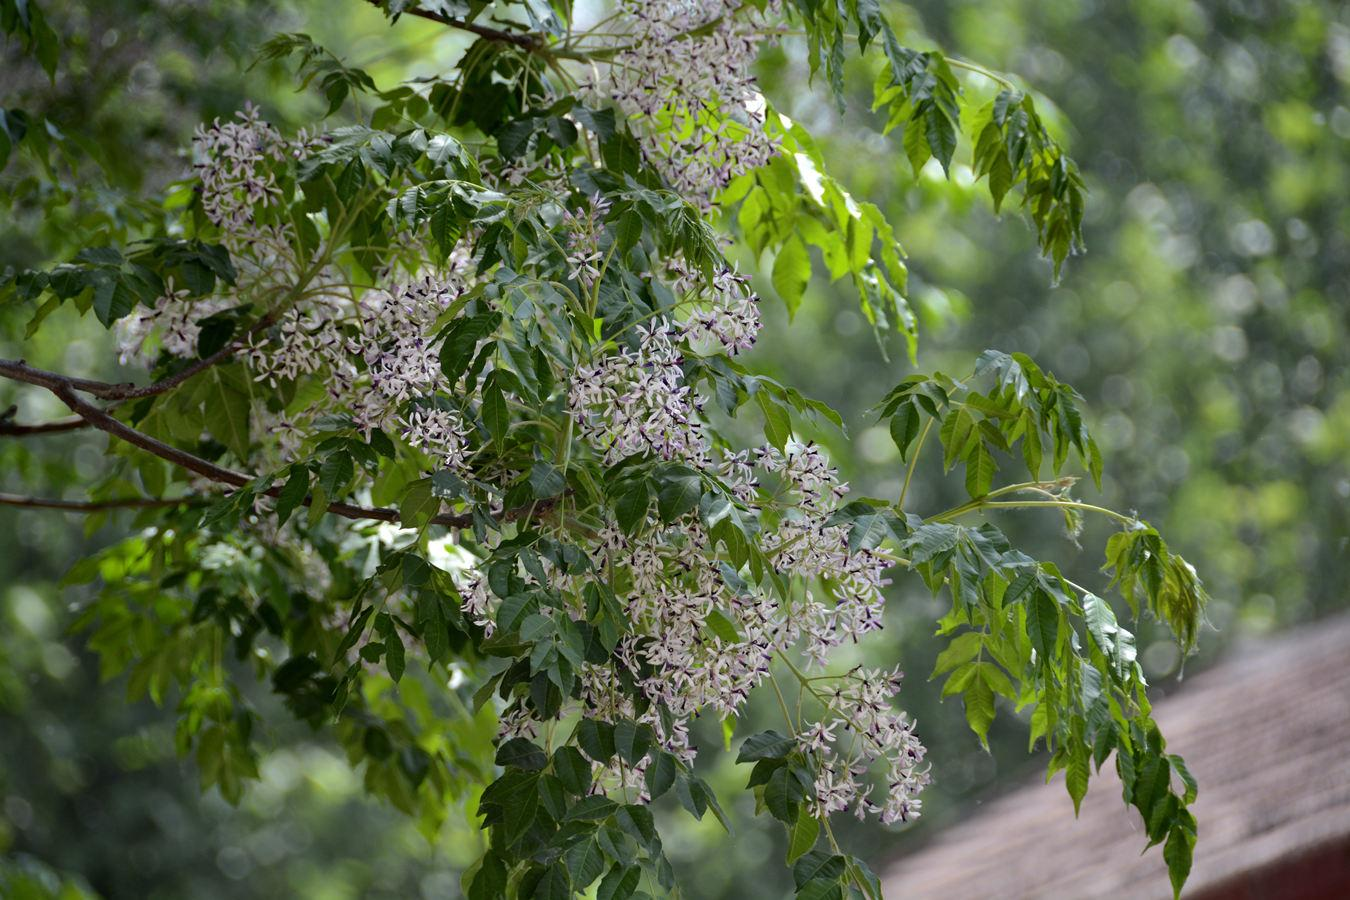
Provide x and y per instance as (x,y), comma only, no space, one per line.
(686,69)
(813,545)
(438,432)
(636,401)
(863,730)
(172,324)
(703,638)
(732,314)
(584,227)
(233,166)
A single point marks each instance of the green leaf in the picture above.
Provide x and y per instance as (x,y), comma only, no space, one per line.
(596,739)
(958,432)
(592,808)
(432,624)
(783,794)
(916,146)
(572,770)
(292,493)
(679,492)
(802,835)
(722,627)
(1043,624)
(821,889)
(461,341)
(940,131)
(1101,622)
(546,480)
(488,879)
(631,499)
(394,659)
(979,702)
(777,421)
(980,468)
(765,745)
(495,414)
(1177,852)
(522,754)
(905,427)
(619,883)
(962,649)
(791,273)
(661,774)
(632,740)
(585,862)
(1179,766)
(225,412)
(1076,773)
(818,864)
(335,473)
(420,503)
(555,885)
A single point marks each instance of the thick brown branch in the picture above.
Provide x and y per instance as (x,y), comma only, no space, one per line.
(89,505)
(529,42)
(21,371)
(65,388)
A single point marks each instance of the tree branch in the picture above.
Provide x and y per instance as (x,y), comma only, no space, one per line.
(104,390)
(90,505)
(15,429)
(532,42)
(21,371)
(65,389)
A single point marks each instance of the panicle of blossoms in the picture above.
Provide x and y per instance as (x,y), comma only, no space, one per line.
(688,65)
(866,730)
(400,356)
(233,166)
(732,317)
(476,603)
(676,585)
(173,321)
(636,400)
(583,228)
(438,432)
(811,546)
(305,340)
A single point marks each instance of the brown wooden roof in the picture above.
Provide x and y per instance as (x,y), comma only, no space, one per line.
(1267,735)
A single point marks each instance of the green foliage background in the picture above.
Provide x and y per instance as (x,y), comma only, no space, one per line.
(1206,328)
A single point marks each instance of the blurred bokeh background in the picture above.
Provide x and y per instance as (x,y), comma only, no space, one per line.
(1207,329)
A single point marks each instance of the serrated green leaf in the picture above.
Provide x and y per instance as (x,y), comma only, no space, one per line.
(1178,852)
(962,649)
(802,835)
(522,754)
(980,468)
(661,774)
(631,500)
(979,702)
(496,415)
(632,740)
(292,493)
(619,883)
(765,745)
(791,273)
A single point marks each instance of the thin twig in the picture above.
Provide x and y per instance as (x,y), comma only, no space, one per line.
(531,42)
(65,388)
(11,428)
